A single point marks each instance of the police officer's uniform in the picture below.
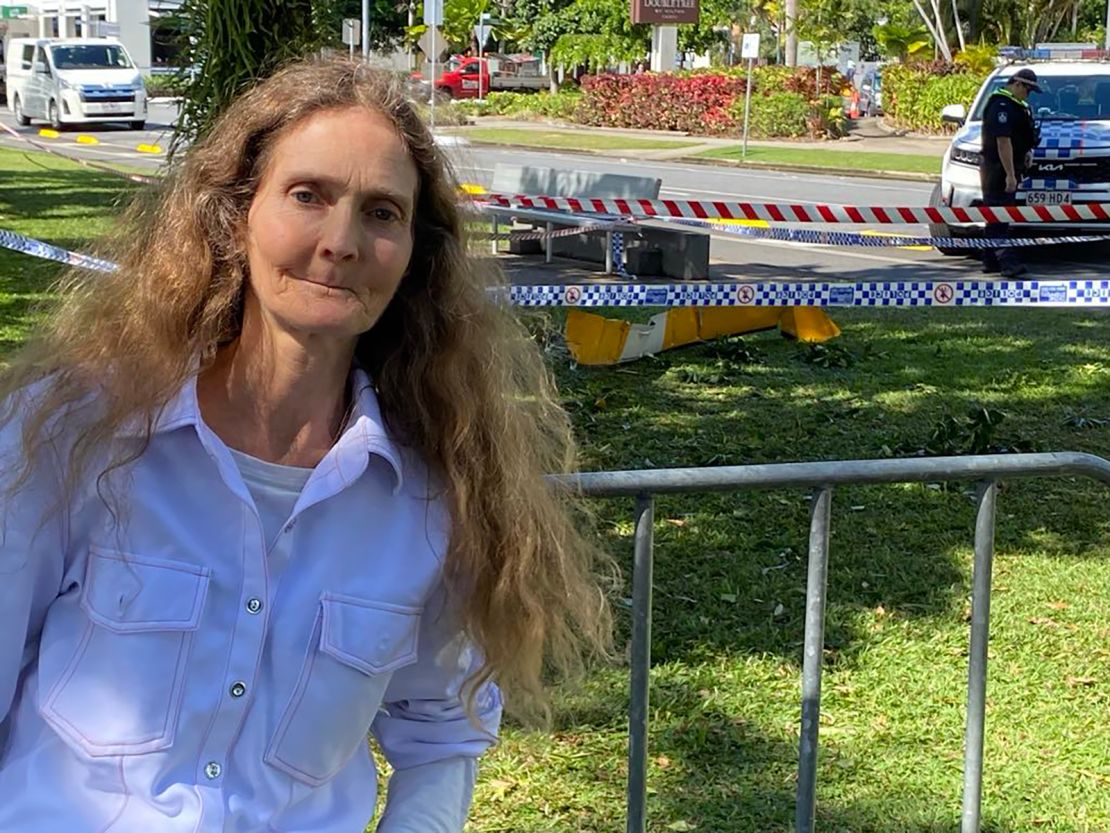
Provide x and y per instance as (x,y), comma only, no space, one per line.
(1005,116)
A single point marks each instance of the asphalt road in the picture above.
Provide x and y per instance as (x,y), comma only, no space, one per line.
(732,257)
(116,142)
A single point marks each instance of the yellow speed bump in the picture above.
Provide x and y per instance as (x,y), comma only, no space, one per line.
(870,233)
(47,133)
(87,140)
(148,148)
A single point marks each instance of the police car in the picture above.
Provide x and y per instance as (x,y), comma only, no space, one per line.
(1071,165)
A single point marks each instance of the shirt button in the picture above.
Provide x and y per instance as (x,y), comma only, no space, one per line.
(238,688)
(212,770)
(254,605)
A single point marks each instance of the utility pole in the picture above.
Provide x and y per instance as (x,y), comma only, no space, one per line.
(792,33)
(365,29)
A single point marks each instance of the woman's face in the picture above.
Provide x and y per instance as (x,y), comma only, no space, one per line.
(329,231)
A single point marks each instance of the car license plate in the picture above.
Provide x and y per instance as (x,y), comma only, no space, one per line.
(112,107)
(1048,198)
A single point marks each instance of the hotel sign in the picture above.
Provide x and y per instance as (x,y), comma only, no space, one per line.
(665,11)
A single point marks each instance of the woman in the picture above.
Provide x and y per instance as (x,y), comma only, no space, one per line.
(276,484)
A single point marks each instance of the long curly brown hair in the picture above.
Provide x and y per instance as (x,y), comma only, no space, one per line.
(457,377)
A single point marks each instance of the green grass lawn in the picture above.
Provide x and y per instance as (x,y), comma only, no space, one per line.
(730,570)
(857,161)
(569,139)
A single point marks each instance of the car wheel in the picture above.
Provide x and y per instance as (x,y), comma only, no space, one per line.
(17,111)
(444,93)
(945,230)
(138,125)
(52,115)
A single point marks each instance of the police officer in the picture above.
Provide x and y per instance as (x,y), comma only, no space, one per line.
(1009,136)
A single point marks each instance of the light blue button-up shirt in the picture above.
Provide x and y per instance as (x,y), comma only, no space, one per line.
(168,671)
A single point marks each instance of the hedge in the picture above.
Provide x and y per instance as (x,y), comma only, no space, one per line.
(913,94)
(661,101)
(785,102)
(561,105)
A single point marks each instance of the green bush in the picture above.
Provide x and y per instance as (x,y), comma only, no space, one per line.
(561,105)
(914,94)
(775,115)
(827,119)
(162,86)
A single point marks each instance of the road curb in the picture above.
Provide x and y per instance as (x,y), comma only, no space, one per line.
(904,176)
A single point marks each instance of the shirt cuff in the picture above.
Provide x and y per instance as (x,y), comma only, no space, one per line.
(430,798)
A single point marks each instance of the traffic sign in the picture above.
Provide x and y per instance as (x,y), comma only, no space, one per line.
(9,12)
(481,33)
(425,44)
(351,31)
(433,12)
(749,46)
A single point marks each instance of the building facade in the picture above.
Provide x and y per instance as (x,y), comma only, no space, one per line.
(137,24)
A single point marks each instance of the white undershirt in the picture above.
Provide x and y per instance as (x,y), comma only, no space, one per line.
(433,798)
(275,489)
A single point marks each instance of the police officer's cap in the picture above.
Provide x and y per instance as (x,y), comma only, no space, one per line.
(1027,77)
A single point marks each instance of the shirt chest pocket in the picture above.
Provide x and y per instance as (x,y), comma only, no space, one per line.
(355,646)
(120,693)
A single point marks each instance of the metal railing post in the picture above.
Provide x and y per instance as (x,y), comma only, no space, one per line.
(641,663)
(813,650)
(985,469)
(977,656)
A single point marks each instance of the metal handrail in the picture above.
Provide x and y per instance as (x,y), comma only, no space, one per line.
(822,476)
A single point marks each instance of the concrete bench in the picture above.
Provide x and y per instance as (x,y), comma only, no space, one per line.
(682,253)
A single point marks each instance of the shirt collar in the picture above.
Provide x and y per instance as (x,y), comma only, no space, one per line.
(1004,92)
(365,428)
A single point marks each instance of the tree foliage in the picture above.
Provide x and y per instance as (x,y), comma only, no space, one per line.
(228,44)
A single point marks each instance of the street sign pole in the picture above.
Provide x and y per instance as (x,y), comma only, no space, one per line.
(433,18)
(749,48)
(747,107)
(350,35)
(435,55)
(365,29)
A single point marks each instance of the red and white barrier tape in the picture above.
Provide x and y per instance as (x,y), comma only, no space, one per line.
(798,213)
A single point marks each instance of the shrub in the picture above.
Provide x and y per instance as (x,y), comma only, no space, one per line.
(791,115)
(777,114)
(560,105)
(158,86)
(689,102)
(777,78)
(914,94)
(785,101)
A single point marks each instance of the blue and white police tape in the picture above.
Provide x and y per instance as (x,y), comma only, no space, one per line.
(847,238)
(36,248)
(956,293)
(618,258)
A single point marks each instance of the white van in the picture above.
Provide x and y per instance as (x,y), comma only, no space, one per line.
(73,80)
